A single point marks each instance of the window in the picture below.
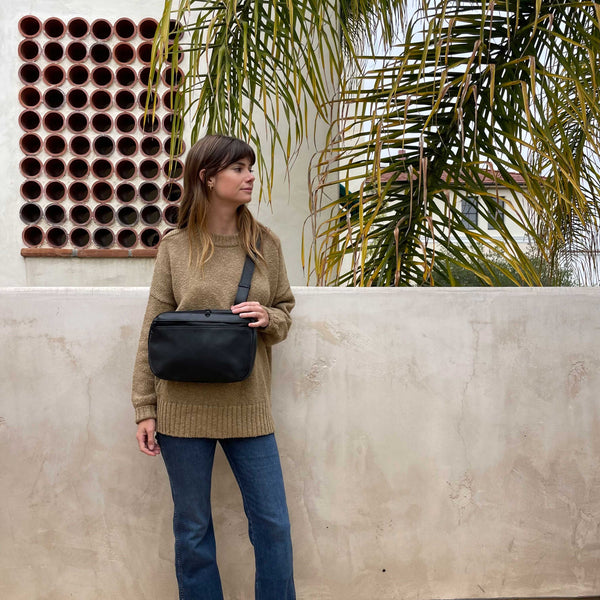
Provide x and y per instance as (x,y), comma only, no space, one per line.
(469,211)
(497,214)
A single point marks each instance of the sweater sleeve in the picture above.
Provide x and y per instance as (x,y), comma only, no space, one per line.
(161,299)
(280,320)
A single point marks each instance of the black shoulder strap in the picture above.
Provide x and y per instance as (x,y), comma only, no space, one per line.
(245,280)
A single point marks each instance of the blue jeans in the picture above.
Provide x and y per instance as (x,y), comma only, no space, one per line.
(255,464)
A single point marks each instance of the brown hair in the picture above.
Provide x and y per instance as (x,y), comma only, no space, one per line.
(212,154)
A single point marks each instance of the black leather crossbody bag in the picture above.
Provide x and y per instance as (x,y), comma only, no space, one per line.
(204,346)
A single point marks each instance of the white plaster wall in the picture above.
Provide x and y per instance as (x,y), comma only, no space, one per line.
(286,216)
(435,443)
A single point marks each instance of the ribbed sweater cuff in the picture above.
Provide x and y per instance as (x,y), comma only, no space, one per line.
(147,411)
(193,420)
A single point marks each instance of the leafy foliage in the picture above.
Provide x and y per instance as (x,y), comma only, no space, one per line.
(499,92)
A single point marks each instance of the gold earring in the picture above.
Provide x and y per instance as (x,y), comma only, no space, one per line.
(210,185)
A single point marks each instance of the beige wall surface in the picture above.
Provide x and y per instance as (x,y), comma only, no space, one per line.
(435,444)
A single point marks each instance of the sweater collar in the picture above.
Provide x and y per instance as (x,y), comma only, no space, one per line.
(226,240)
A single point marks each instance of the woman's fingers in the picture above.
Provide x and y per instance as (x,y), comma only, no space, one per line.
(252,310)
(145,437)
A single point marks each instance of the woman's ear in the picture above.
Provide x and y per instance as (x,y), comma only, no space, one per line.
(202,175)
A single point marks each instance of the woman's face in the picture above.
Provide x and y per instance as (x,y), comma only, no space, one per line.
(233,184)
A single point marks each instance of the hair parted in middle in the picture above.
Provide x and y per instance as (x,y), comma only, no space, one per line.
(212,154)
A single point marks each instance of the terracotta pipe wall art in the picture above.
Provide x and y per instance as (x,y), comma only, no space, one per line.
(102,122)
(53,121)
(125,29)
(55,191)
(77,52)
(77,122)
(77,98)
(30,213)
(55,167)
(56,237)
(29,120)
(33,236)
(54,28)
(101,29)
(30,26)
(125,193)
(78,28)
(150,237)
(80,237)
(55,214)
(102,191)
(126,238)
(80,214)
(149,192)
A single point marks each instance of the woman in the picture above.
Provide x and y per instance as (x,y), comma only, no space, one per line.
(199,266)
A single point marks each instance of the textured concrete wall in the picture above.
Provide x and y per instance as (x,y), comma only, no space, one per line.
(435,444)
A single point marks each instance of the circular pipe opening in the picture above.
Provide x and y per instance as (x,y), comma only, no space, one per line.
(126,169)
(31,143)
(149,123)
(175,28)
(150,215)
(144,52)
(56,191)
(149,169)
(102,76)
(173,169)
(101,123)
(127,145)
(147,28)
(30,213)
(55,168)
(125,192)
(77,122)
(104,214)
(127,215)
(125,123)
(149,192)
(150,145)
(169,99)
(172,192)
(100,53)
(55,98)
(148,101)
(80,237)
(104,145)
(54,51)
(29,26)
(30,167)
(124,99)
(79,168)
(171,55)
(80,145)
(78,28)
(29,120)
(55,145)
(80,214)
(78,75)
(103,237)
(54,28)
(33,236)
(53,121)
(125,29)
(177,145)
(144,77)
(56,237)
(171,214)
(55,214)
(126,238)
(29,73)
(124,53)
(102,191)
(168,121)
(54,75)
(101,29)
(79,191)
(126,76)
(29,50)
(101,100)
(150,237)
(172,77)
(31,190)
(30,97)
(102,168)
(77,52)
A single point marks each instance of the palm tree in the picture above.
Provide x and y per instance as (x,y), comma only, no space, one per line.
(503,91)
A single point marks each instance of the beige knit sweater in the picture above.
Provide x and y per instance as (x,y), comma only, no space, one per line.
(213,410)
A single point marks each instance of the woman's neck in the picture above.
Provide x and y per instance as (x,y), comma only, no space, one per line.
(221,221)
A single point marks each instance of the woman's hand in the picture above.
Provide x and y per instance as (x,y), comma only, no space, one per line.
(145,436)
(252,310)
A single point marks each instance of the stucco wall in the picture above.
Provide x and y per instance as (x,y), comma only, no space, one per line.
(435,444)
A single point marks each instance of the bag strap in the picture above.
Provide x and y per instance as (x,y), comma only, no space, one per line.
(245,279)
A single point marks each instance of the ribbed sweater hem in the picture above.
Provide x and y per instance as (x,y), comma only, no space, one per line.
(218,422)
